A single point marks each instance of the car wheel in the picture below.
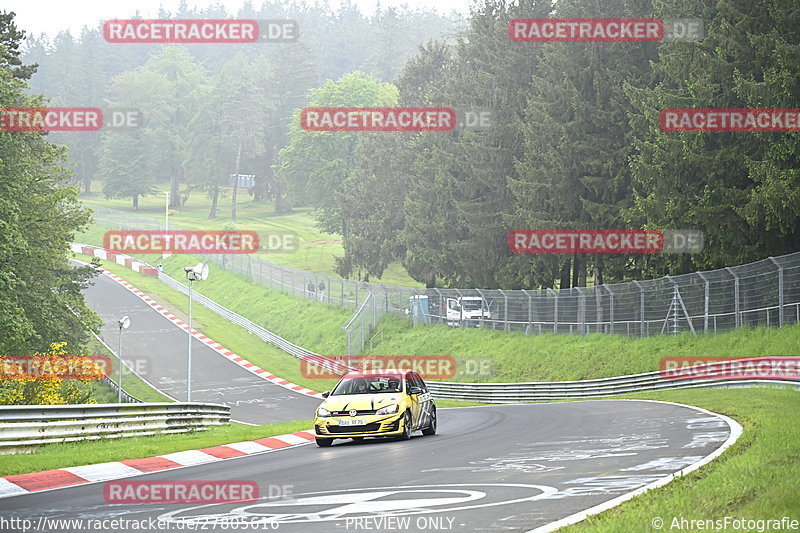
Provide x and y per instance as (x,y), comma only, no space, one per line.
(324,443)
(406,426)
(431,429)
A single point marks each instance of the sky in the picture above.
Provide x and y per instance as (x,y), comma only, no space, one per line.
(52,16)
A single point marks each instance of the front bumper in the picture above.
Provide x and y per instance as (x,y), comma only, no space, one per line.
(376,426)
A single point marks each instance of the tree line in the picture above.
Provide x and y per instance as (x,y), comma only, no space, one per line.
(576,145)
(576,142)
(212,110)
(40,298)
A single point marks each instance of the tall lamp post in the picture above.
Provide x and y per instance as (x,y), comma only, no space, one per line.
(198,272)
(124,323)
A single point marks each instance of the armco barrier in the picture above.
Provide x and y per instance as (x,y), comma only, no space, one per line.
(591,388)
(23,426)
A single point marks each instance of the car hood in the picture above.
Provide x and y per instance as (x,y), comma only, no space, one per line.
(361,402)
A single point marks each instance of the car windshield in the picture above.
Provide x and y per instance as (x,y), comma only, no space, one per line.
(368,385)
(471,305)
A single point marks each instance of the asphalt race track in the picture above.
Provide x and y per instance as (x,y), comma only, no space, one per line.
(157,349)
(501,468)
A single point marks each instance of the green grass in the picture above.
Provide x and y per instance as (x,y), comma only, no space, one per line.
(315,253)
(549,357)
(63,455)
(757,478)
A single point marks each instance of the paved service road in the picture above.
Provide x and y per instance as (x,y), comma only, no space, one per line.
(157,349)
(501,468)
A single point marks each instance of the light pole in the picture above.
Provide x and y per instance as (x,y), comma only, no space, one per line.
(124,323)
(198,272)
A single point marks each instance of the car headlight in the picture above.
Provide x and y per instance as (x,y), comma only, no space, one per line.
(321,411)
(388,410)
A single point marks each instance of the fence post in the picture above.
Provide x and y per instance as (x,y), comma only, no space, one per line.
(374,310)
(555,309)
(735,295)
(581,312)
(780,292)
(641,308)
(530,311)
(706,303)
(442,317)
(610,308)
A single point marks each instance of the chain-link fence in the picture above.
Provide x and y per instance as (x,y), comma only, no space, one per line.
(766,293)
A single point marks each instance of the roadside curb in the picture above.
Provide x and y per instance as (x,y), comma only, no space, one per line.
(16,485)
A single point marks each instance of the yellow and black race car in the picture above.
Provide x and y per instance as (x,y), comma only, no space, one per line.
(375,404)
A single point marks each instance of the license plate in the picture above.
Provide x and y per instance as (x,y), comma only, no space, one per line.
(354,422)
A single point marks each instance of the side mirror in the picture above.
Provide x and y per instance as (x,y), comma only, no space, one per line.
(326,394)
(414,391)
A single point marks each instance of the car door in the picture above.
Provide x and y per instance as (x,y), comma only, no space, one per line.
(415,403)
(425,401)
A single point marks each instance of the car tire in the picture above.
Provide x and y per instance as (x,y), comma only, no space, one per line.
(406,426)
(431,429)
(324,443)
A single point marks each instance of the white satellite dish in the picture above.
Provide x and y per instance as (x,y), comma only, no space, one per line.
(124,322)
(202,271)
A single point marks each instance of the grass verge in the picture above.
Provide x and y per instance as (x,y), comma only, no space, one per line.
(62,455)
(757,478)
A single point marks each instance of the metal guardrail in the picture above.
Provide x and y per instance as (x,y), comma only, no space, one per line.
(592,388)
(126,398)
(23,426)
